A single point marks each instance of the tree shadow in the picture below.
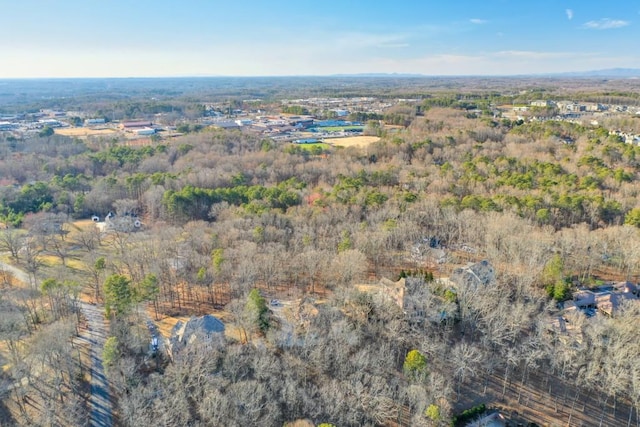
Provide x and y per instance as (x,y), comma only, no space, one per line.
(6,418)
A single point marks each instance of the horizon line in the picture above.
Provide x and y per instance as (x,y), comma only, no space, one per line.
(586,73)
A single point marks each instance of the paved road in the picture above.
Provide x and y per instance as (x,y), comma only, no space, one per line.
(17,273)
(156,342)
(96,334)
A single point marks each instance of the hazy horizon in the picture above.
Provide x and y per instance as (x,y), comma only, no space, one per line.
(79,39)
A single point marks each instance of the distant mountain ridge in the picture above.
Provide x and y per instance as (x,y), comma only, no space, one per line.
(380,75)
(608,72)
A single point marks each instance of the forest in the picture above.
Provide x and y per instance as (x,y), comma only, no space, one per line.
(235,224)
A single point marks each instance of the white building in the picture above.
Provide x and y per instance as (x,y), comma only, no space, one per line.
(52,123)
(145,131)
(541,103)
(91,122)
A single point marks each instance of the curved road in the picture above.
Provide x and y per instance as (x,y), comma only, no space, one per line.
(96,335)
(17,273)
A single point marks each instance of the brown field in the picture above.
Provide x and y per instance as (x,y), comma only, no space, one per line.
(85,132)
(306,135)
(166,324)
(137,141)
(83,224)
(352,141)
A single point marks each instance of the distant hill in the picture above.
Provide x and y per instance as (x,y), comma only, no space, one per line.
(380,75)
(609,72)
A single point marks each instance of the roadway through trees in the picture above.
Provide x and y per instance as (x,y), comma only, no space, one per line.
(95,334)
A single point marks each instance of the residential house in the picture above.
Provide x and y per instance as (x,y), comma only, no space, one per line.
(605,299)
(542,103)
(207,329)
(474,275)
(610,302)
(394,291)
(416,299)
(593,107)
(121,223)
(495,419)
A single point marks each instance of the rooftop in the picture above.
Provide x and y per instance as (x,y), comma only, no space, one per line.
(480,273)
(206,325)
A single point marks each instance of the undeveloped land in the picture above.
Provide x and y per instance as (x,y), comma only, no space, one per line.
(85,132)
(352,141)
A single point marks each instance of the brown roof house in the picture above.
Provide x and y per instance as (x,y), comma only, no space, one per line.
(417,300)
(394,291)
(406,294)
(606,299)
(609,302)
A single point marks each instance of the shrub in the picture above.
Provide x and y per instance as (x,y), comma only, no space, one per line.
(433,412)
(415,363)
(467,415)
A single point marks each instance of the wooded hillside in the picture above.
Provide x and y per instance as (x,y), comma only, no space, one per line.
(228,221)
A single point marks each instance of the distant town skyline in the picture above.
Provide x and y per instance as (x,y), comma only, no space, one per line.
(79,38)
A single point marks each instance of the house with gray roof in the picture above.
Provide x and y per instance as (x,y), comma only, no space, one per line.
(474,275)
(206,329)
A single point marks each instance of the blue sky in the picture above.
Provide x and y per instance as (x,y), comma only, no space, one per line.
(136,38)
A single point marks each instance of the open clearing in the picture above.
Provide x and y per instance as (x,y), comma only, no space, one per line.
(84,132)
(352,141)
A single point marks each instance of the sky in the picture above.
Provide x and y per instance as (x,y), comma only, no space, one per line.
(166,38)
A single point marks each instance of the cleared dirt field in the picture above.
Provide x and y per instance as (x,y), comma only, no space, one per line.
(85,132)
(352,141)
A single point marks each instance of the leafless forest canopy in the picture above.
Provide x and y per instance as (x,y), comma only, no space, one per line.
(239,225)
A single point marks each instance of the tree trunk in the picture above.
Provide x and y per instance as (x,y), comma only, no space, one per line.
(504,382)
